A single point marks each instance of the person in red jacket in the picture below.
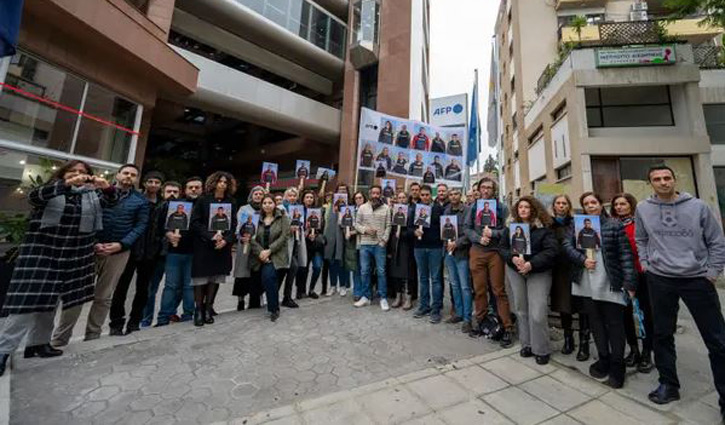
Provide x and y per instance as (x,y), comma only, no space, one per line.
(623,206)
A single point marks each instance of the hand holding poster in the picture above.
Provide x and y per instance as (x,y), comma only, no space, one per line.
(486,212)
(588,232)
(220,219)
(339,200)
(302,170)
(314,220)
(177,219)
(520,234)
(449,230)
(248,223)
(325,174)
(400,215)
(422,218)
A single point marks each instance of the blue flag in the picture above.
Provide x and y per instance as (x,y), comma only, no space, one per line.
(474,128)
(10,13)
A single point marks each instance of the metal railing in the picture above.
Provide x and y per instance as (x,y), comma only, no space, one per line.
(709,57)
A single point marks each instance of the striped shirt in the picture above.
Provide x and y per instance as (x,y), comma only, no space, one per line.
(379,220)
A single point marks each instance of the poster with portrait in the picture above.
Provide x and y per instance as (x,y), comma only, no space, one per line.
(302,169)
(296,215)
(449,227)
(400,215)
(520,238)
(248,222)
(178,216)
(339,199)
(388,188)
(486,213)
(347,216)
(269,172)
(325,174)
(314,218)
(588,232)
(220,217)
(411,149)
(422,215)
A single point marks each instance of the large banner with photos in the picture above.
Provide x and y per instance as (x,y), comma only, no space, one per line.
(395,147)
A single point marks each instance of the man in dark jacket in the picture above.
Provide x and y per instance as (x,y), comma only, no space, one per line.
(588,237)
(144,262)
(416,167)
(123,225)
(428,251)
(456,261)
(486,264)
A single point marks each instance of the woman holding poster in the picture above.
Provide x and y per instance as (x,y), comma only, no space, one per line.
(401,263)
(529,274)
(609,272)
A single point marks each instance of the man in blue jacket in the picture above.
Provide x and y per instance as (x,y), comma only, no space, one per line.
(122,226)
(428,252)
(681,248)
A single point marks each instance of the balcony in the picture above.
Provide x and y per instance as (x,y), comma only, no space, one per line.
(577,4)
(640,32)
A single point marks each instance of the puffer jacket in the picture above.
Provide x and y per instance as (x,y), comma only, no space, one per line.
(544,248)
(126,221)
(148,246)
(616,252)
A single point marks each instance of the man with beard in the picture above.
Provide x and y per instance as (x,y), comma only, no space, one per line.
(454,146)
(438,145)
(428,254)
(438,166)
(403,138)
(384,157)
(372,223)
(220,221)
(177,286)
(429,176)
(246,281)
(367,156)
(442,195)
(453,171)
(416,167)
(588,237)
(400,164)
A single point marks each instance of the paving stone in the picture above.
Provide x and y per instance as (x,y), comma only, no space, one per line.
(554,393)
(473,412)
(392,405)
(597,413)
(562,420)
(426,420)
(580,382)
(346,412)
(640,412)
(697,413)
(520,406)
(438,391)
(477,380)
(511,371)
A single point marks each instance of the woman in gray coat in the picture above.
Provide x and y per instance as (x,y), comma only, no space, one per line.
(334,252)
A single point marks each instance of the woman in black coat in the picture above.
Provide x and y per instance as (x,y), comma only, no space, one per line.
(56,260)
(562,301)
(401,263)
(212,260)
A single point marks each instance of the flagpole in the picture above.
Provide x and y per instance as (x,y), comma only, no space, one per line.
(478,129)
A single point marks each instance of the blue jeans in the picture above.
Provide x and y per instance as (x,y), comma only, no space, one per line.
(178,280)
(338,273)
(357,289)
(459,277)
(156,276)
(368,254)
(269,282)
(429,262)
(316,260)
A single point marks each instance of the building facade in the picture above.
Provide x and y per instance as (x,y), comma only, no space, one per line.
(191,86)
(578,111)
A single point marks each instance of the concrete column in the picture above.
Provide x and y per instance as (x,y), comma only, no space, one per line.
(160,12)
(706,187)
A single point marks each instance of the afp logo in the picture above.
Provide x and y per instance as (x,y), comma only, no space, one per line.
(445,110)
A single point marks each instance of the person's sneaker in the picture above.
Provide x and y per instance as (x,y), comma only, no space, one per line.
(362,302)
(355,298)
(384,304)
(174,318)
(421,313)
(343,292)
(542,360)
(454,319)
(160,324)
(274,316)
(599,369)
(289,303)
(466,327)
(330,291)
(145,323)
(506,339)
(111,332)
(313,295)
(435,318)
(664,394)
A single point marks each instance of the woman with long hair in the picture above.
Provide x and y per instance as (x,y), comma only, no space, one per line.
(601,282)
(335,245)
(269,250)
(401,263)
(212,261)
(623,207)
(529,276)
(562,301)
(55,261)
(359,199)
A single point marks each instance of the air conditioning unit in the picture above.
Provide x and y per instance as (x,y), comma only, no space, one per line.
(638,16)
(639,6)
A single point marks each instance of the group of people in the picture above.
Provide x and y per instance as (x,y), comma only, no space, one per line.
(87,238)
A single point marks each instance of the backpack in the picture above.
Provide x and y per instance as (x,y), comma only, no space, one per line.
(491,327)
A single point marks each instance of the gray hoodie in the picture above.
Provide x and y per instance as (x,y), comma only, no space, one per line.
(679,239)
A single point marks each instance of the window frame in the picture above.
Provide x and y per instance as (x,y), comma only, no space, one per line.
(600,107)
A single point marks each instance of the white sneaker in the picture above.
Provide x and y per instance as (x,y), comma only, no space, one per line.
(343,292)
(384,304)
(362,302)
(330,291)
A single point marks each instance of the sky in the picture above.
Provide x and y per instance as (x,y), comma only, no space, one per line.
(461,34)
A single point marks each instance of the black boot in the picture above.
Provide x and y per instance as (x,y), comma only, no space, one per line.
(30,351)
(289,303)
(206,314)
(633,357)
(645,362)
(3,363)
(44,351)
(600,368)
(583,354)
(199,315)
(616,375)
(569,346)
(240,304)
(211,312)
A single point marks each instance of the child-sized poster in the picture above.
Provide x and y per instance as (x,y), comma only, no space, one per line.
(314,218)
(388,188)
(486,213)
(177,218)
(400,215)
(297,215)
(248,222)
(449,227)
(302,169)
(269,172)
(520,235)
(588,231)
(220,217)
(347,216)
(422,215)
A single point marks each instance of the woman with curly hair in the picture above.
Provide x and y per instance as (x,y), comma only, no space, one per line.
(530,276)
(212,261)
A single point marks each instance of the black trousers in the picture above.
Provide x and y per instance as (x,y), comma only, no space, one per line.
(144,270)
(701,299)
(646,307)
(251,286)
(607,323)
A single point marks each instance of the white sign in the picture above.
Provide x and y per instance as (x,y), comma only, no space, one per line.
(636,56)
(449,111)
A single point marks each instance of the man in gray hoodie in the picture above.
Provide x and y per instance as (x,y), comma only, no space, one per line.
(682,250)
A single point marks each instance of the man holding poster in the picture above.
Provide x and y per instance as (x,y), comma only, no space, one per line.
(372,223)
(456,261)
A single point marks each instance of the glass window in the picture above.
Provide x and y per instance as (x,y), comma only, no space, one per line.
(277,11)
(319,28)
(715,122)
(629,106)
(720,184)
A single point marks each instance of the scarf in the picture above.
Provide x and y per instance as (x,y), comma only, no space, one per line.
(91,211)
(560,220)
(627,220)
